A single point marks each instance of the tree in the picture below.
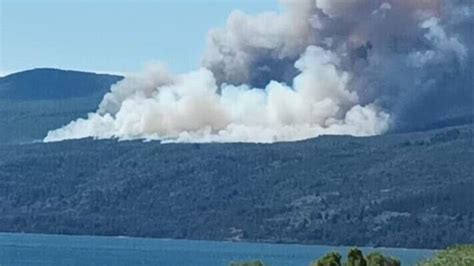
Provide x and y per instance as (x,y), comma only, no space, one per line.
(248,263)
(330,259)
(377,259)
(356,258)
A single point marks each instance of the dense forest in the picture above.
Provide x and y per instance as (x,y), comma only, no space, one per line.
(398,190)
(35,101)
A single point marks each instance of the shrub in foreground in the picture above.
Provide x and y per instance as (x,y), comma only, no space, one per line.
(330,259)
(377,259)
(453,256)
(248,263)
(462,255)
(356,258)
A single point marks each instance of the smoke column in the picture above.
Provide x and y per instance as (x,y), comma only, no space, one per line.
(357,67)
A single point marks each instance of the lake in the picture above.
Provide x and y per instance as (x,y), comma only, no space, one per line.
(36,249)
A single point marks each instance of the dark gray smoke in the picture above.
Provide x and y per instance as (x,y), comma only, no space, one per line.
(358,67)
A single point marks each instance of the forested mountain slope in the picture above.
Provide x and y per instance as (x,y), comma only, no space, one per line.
(401,190)
(35,101)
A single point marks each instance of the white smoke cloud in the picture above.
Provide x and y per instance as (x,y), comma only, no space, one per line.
(321,67)
(190,107)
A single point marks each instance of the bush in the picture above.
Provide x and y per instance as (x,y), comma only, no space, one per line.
(462,255)
(330,259)
(454,256)
(248,263)
(377,259)
(356,258)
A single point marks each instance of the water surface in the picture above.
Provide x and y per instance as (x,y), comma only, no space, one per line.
(35,249)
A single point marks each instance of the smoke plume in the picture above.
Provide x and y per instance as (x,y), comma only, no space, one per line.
(358,67)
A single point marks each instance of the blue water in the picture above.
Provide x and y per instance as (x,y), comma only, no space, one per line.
(34,249)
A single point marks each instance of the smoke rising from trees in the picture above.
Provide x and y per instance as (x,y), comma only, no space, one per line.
(359,67)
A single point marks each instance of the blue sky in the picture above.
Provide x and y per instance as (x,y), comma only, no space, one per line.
(111,36)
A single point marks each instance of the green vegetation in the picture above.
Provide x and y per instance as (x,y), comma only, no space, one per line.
(248,263)
(377,259)
(356,258)
(462,255)
(454,256)
(333,190)
(330,259)
(35,101)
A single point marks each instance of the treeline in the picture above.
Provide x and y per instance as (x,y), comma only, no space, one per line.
(410,190)
(355,257)
(459,255)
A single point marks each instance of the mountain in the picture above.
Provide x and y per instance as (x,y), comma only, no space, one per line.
(399,190)
(35,101)
(54,84)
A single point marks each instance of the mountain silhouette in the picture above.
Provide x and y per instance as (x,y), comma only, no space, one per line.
(49,83)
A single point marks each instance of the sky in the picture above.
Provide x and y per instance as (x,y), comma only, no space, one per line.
(111,36)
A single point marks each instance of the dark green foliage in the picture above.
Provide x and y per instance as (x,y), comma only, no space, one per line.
(377,259)
(356,258)
(247,263)
(330,259)
(445,136)
(35,101)
(333,190)
(461,255)
(392,262)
